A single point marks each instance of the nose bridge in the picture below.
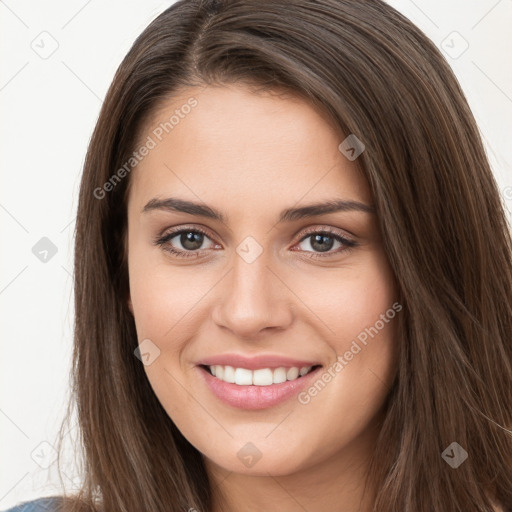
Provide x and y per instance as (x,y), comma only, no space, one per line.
(250,269)
(252,297)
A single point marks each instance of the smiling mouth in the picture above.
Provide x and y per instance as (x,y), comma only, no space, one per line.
(258,377)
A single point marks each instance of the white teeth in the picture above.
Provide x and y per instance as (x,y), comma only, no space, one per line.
(229,374)
(303,370)
(292,373)
(243,377)
(260,377)
(279,375)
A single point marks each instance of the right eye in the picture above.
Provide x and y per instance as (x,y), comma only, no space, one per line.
(190,239)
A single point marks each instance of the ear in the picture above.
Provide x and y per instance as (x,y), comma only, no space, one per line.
(130,305)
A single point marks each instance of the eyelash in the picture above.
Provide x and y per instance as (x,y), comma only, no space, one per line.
(163,242)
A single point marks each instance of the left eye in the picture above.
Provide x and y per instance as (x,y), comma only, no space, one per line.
(324,241)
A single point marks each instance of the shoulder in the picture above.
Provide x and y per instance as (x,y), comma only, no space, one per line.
(38,505)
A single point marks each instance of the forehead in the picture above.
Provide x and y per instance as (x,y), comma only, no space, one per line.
(228,144)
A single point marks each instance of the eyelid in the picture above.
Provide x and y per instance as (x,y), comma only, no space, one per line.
(326,229)
(184,227)
(317,228)
(335,233)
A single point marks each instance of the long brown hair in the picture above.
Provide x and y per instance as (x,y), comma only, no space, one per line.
(442,220)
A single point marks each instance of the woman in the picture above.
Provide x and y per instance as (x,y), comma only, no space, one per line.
(293,272)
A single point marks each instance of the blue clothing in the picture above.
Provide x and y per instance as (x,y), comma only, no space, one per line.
(39,505)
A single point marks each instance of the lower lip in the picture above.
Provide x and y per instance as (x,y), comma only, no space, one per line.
(255,397)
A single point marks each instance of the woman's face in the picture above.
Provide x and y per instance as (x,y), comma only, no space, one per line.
(262,287)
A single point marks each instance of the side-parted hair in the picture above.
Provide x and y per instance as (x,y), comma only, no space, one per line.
(444,230)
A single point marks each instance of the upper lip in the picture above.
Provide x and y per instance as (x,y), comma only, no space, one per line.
(255,362)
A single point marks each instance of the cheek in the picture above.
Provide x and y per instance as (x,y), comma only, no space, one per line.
(165,306)
(162,297)
(356,311)
(348,300)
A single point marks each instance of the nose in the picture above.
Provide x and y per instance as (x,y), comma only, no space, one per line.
(252,298)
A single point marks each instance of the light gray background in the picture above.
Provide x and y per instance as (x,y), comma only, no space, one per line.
(49,104)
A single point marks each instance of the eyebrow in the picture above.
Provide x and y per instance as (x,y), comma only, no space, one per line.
(288,215)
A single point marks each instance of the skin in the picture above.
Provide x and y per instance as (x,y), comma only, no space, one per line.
(251,156)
